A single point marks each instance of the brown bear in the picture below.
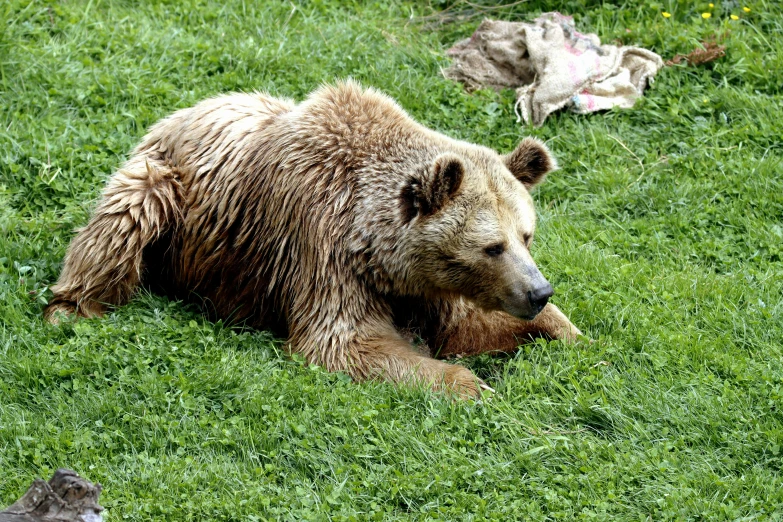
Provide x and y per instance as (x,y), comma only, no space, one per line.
(339,222)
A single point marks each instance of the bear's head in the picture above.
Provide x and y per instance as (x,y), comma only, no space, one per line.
(470,222)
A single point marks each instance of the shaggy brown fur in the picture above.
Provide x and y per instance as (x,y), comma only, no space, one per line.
(338,222)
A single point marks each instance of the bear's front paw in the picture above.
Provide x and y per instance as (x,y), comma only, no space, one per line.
(570,333)
(461,382)
(556,325)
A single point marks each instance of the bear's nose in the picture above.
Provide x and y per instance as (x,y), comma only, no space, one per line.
(538,297)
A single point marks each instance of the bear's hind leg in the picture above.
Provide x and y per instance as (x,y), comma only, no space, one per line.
(103,263)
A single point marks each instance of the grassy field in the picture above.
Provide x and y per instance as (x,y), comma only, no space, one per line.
(662,234)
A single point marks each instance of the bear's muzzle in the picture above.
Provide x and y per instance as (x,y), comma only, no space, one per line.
(528,296)
(540,296)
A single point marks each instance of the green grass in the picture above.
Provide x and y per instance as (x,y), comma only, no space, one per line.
(662,233)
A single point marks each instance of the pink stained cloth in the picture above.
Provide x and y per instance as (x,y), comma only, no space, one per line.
(552,65)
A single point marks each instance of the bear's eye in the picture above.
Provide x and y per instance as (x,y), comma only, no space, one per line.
(528,238)
(495,250)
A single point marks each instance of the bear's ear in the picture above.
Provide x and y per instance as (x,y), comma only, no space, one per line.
(530,162)
(447,173)
(428,195)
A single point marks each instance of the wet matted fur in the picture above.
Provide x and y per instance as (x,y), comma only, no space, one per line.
(338,222)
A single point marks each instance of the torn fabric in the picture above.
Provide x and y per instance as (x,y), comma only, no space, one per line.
(552,65)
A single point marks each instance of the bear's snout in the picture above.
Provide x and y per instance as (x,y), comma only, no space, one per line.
(538,297)
(528,296)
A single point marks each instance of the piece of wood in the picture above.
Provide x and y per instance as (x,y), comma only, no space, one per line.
(65,498)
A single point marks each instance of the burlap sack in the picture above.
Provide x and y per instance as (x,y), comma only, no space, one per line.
(551,65)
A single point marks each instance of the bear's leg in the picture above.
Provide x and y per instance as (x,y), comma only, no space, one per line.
(380,352)
(393,359)
(553,323)
(470,330)
(103,263)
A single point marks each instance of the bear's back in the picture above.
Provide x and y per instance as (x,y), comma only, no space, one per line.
(198,139)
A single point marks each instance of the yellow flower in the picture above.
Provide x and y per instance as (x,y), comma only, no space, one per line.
(746,9)
(706,15)
(666,15)
(712,5)
(734,17)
